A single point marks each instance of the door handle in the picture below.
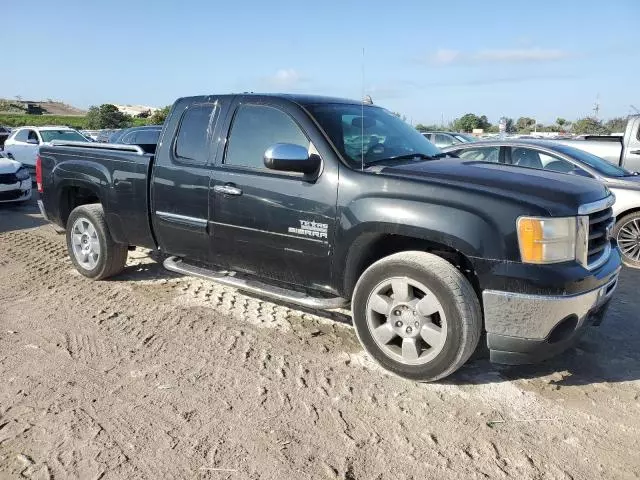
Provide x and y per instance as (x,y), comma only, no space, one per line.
(227,190)
(635,152)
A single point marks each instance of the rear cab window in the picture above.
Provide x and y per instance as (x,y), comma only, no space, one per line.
(194,134)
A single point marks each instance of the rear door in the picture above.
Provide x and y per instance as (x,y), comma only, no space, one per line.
(180,180)
(269,223)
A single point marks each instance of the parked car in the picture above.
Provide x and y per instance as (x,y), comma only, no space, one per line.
(261,192)
(15,181)
(560,157)
(623,151)
(145,136)
(4,134)
(104,136)
(23,143)
(446,139)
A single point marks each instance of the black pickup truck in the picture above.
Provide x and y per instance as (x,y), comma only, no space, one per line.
(325,202)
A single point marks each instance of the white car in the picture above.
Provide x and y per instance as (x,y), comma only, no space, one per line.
(23,143)
(15,181)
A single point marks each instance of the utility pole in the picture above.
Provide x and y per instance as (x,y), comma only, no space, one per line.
(596,107)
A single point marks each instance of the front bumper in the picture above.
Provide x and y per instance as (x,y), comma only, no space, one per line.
(525,328)
(15,192)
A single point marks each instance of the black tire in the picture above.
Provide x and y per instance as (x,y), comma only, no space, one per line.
(455,295)
(112,257)
(622,222)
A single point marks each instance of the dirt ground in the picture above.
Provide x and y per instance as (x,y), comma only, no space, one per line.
(152,375)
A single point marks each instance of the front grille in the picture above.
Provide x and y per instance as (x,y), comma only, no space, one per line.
(11,195)
(8,178)
(599,226)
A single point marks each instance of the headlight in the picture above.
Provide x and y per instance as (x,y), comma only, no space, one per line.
(547,240)
(22,174)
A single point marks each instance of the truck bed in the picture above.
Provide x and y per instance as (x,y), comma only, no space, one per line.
(116,175)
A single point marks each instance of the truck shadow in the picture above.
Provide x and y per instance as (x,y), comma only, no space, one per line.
(154,271)
(609,353)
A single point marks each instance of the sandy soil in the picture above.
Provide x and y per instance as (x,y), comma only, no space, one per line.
(153,375)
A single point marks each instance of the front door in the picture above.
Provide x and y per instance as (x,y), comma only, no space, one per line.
(269,223)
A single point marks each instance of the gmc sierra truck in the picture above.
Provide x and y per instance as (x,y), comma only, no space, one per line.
(327,203)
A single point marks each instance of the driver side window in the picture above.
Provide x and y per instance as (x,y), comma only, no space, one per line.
(255,128)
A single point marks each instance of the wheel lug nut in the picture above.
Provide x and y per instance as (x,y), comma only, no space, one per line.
(398,324)
(409,330)
(416,324)
(397,313)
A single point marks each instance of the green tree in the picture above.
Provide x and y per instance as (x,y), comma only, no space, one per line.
(106,116)
(525,124)
(428,128)
(510,126)
(590,126)
(561,122)
(469,122)
(618,124)
(159,116)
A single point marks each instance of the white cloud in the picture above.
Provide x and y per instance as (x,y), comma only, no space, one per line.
(533,54)
(285,78)
(444,56)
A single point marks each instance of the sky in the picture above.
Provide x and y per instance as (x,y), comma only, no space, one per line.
(428,60)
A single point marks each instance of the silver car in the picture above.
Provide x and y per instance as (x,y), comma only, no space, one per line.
(547,155)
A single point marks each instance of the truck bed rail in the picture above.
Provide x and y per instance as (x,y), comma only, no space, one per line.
(99,146)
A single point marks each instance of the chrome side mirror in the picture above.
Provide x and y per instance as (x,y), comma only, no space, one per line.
(288,157)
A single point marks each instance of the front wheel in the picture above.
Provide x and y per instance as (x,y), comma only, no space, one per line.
(91,248)
(627,234)
(416,315)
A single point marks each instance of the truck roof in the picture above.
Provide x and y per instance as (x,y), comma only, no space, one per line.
(302,99)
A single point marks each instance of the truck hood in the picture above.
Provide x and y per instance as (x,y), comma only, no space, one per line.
(8,166)
(559,193)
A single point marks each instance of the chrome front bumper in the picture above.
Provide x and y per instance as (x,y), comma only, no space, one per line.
(535,316)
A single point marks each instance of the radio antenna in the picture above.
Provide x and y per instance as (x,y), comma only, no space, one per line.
(362,118)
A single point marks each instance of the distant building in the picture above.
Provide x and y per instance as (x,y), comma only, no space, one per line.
(136,110)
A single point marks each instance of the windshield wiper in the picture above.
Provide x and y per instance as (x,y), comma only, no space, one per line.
(408,156)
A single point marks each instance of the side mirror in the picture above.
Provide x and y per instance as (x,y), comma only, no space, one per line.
(288,157)
(32,141)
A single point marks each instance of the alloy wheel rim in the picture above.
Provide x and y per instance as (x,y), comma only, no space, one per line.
(85,243)
(629,239)
(406,320)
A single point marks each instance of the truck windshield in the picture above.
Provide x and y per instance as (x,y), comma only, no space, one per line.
(370,134)
(598,164)
(69,135)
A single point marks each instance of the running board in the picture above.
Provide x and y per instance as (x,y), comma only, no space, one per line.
(246,284)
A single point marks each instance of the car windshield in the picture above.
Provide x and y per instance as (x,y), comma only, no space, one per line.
(369,134)
(598,164)
(69,135)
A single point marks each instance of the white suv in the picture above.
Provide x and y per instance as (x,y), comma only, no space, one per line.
(22,145)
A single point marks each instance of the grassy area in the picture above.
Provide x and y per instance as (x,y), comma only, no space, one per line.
(79,122)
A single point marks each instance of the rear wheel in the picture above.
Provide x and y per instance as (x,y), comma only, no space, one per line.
(627,234)
(416,315)
(91,248)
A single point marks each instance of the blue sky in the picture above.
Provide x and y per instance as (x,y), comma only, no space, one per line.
(427,60)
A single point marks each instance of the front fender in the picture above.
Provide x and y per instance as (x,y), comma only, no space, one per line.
(469,231)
